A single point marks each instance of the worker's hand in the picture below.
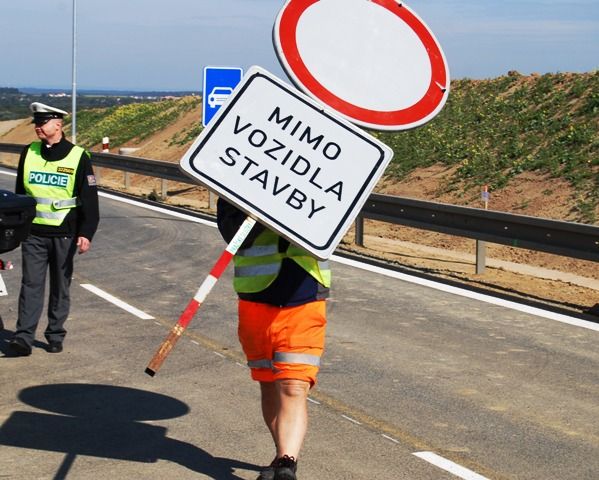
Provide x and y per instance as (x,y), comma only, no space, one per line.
(83,244)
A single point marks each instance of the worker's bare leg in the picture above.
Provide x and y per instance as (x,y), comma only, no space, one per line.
(285,412)
(268,391)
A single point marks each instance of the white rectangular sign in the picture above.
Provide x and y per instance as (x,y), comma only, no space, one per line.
(282,158)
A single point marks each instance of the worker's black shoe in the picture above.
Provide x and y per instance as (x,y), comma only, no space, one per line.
(285,468)
(268,473)
(19,347)
(54,347)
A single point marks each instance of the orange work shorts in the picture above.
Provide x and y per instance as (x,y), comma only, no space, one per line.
(282,342)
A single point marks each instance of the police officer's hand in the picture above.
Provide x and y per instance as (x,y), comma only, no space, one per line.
(83,244)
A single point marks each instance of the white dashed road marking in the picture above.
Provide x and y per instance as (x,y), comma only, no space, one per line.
(351,419)
(119,303)
(558,317)
(449,466)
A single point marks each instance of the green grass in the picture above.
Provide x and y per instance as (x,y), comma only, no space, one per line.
(489,130)
(135,121)
(493,130)
(187,135)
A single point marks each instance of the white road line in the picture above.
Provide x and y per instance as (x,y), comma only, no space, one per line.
(390,438)
(158,209)
(194,342)
(351,419)
(466,293)
(119,303)
(390,273)
(219,354)
(3,290)
(313,401)
(449,466)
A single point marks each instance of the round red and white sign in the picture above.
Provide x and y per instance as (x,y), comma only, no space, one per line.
(374,62)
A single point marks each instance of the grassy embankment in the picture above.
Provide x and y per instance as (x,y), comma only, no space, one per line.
(490,130)
(135,121)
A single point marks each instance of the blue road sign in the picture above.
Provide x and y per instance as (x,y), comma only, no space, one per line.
(219,83)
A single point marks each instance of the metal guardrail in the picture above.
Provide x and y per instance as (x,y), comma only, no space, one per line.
(142,166)
(552,236)
(11,147)
(569,239)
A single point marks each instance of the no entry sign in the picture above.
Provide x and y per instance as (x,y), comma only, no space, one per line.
(279,156)
(373,61)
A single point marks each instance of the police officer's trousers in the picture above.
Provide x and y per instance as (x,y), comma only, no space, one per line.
(39,255)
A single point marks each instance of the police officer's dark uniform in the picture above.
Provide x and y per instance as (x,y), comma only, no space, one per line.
(61,179)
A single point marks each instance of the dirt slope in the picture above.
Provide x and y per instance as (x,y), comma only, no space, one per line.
(17,131)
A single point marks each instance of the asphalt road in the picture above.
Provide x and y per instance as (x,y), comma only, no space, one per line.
(486,391)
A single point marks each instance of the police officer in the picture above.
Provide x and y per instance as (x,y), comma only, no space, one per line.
(60,177)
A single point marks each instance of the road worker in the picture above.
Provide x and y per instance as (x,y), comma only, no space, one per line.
(60,177)
(282,320)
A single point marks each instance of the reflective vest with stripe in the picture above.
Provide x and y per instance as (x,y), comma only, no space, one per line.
(52,184)
(257,267)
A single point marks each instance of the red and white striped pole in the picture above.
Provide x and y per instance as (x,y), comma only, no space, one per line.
(195,303)
(105,145)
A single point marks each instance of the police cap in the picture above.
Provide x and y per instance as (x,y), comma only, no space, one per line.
(43,113)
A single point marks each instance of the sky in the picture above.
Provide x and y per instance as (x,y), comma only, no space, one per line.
(164,45)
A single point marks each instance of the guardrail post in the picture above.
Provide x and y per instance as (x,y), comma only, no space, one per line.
(211,201)
(359,230)
(481,254)
(127,181)
(164,188)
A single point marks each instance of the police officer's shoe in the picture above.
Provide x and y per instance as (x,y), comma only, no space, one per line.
(19,347)
(285,468)
(54,347)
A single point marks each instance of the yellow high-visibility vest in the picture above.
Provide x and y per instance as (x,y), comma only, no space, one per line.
(257,266)
(52,184)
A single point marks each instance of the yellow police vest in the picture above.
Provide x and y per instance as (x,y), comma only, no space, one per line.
(257,267)
(52,184)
